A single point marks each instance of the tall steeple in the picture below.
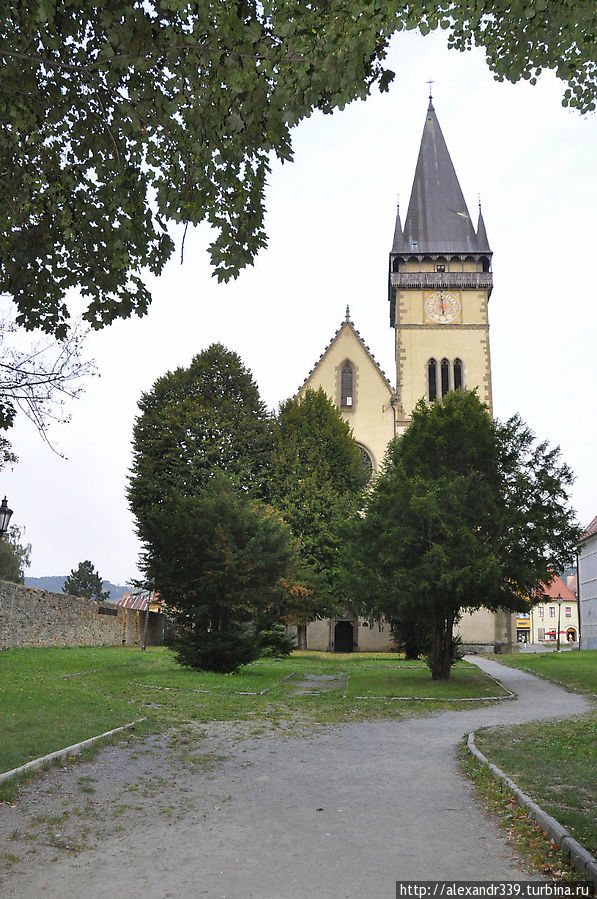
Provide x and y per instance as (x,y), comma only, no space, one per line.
(440,282)
(437,220)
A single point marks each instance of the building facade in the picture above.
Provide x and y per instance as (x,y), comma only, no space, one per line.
(587,586)
(439,285)
(556,612)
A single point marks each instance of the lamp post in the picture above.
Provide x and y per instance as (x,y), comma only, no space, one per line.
(559,601)
(5,515)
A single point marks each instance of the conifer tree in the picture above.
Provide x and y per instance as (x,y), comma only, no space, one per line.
(222,563)
(468,513)
(195,423)
(84,580)
(316,481)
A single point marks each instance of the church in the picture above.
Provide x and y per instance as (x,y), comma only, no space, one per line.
(439,284)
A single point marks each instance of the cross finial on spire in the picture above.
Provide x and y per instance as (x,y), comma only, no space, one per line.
(430,82)
(347,319)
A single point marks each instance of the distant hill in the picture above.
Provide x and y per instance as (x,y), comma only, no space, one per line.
(56,583)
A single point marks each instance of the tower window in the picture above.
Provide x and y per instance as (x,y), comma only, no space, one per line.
(451,377)
(432,379)
(445,377)
(346,386)
(440,267)
(457,374)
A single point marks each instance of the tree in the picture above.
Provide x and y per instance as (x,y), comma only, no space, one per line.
(468,513)
(84,580)
(197,422)
(38,380)
(218,559)
(121,116)
(15,556)
(316,481)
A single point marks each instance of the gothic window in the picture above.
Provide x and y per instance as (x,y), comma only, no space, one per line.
(457,374)
(367,463)
(432,379)
(445,372)
(346,386)
(451,377)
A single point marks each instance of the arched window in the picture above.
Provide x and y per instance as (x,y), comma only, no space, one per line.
(457,374)
(445,376)
(367,463)
(346,386)
(432,380)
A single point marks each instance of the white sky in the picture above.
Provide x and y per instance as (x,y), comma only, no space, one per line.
(330,221)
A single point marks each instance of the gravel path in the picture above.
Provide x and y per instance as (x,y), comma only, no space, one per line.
(343,812)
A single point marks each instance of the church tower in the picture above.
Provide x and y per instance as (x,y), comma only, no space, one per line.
(440,282)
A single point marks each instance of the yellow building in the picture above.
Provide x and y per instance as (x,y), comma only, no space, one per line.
(439,286)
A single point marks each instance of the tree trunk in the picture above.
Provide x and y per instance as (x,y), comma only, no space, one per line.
(301,636)
(441,659)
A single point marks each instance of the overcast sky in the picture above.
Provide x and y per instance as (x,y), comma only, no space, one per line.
(330,222)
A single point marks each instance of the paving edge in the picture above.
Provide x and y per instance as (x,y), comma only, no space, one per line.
(61,754)
(582,860)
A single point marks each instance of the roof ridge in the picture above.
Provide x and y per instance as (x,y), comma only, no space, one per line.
(590,530)
(347,321)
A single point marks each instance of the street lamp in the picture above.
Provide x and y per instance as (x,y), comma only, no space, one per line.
(5,514)
(559,601)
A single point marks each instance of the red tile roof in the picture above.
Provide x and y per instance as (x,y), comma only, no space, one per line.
(557,586)
(592,529)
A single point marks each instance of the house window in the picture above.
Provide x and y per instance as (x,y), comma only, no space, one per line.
(568,611)
(457,374)
(445,377)
(541,611)
(552,611)
(432,379)
(346,387)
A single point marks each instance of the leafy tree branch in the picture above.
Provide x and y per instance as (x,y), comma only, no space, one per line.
(122,116)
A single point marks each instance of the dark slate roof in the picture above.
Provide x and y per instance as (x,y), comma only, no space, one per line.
(482,241)
(398,242)
(437,220)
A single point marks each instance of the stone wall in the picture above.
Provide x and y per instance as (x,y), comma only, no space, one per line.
(32,617)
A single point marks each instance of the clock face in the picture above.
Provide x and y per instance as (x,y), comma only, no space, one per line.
(442,306)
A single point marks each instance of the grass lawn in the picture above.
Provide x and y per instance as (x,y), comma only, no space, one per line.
(555,762)
(52,698)
(577,671)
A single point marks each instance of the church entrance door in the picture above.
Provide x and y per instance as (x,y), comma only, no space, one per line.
(343,636)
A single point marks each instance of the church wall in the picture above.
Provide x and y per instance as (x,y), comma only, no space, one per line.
(416,347)
(371,417)
(373,637)
(486,631)
(418,341)
(376,637)
(318,635)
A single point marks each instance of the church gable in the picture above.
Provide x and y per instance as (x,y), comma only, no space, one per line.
(352,379)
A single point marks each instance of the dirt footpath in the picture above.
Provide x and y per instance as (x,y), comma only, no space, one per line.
(338,813)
